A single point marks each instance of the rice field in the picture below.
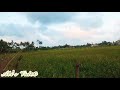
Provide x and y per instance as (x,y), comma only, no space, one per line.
(98,62)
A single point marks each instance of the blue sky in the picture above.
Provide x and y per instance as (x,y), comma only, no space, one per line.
(59,28)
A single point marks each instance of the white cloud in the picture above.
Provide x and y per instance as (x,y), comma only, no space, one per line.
(13,24)
(79,29)
(13,18)
(109,31)
(70,30)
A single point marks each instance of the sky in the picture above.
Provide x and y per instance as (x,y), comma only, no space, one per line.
(60,28)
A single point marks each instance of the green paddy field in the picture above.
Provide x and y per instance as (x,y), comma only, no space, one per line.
(97,62)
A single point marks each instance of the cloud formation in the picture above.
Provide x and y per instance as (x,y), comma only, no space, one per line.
(59,28)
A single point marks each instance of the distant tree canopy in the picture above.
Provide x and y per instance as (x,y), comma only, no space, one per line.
(14,46)
(39,42)
(4,47)
(29,46)
(105,43)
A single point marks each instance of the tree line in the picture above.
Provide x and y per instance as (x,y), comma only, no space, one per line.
(15,47)
(9,47)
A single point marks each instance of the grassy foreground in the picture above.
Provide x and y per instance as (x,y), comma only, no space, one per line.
(99,62)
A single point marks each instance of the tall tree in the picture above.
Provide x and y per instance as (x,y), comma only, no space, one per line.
(3,46)
(39,42)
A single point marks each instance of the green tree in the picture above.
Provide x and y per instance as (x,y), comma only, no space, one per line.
(39,42)
(3,46)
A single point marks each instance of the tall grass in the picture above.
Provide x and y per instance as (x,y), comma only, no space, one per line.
(99,62)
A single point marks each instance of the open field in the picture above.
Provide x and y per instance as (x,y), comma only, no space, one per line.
(98,62)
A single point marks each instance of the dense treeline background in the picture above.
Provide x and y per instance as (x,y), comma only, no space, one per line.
(12,47)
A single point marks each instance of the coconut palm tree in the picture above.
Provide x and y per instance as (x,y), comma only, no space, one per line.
(39,42)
